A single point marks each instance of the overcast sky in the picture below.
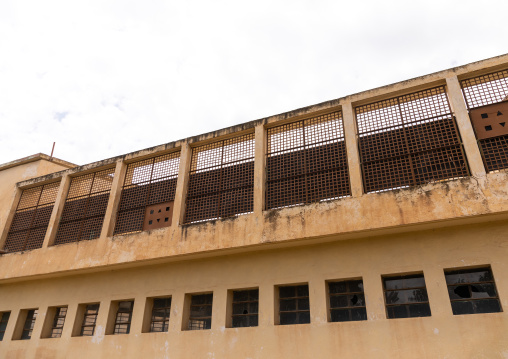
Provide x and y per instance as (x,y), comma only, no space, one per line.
(104,78)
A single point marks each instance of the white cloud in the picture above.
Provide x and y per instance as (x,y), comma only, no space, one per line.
(102,78)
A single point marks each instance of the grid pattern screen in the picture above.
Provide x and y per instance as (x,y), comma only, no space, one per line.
(484,92)
(409,140)
(85,207)
(147,182)
(31,219)
(221,179)
(307,162)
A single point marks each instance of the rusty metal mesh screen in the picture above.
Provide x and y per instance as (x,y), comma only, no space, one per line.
(221,179)
(31,219)
(306,162)
(409,140)
(147,182)
(85,207)
(485,90)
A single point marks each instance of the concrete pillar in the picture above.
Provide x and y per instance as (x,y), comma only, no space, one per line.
(260,170)
(115,193)
(458,106)
(219,308)
(10,216)
(182,185)
(56,215)
(177,312)
(374,296)
(138,314)
(266,308)
(353,156)
(318,301)
(437,291)
(70,318)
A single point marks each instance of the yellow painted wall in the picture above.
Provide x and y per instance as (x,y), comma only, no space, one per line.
(442,335)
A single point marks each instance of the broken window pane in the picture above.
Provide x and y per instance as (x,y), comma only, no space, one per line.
(476,292)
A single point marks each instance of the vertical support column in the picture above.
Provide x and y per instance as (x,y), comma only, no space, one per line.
(437,291)
(465,127)
(108,226)
(182,185)
(260,170)
(10,216)
(70,318)
(138,314)
(375,303)
(54,221)
(353,156)
(317,301)
(219,308)
(267,308)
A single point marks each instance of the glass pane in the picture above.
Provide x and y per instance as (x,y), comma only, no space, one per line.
(200,324)
(394,297)
(414,282)
(92,308)
(254,294)
(3,325)
(457,278)
(253,320)
(419,310)
(417,295)
(87,331)
(302,290)
(123,317)
(253,308)
(459,292)
(397,311)
(339,315)
(158,315)
(240,321)
(356,300)
(487,306)
(201,311)
(89,320)
(462,307)
(338,301)
(356,286)
(287,292)
(358,314)
(125,306)
(303,304)
(303,317)
(242,308)
(337,287)
(122,328)
(240,296)
(288,318)
(287,304)
(483,290)
(480,275)
(162,302)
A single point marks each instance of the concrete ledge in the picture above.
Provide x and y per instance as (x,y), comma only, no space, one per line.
(453,202)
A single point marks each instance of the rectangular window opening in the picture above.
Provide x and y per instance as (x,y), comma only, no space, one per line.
(347,301)
(406,296)
(245,306)
(161,311)
(294,306)
(200,313)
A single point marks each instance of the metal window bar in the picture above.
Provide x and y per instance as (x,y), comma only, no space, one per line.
(58,322)
(409,140)
(472,291)
(482,91)
(4,319)
(347,301)
(307,162)
(161,312)
(123,317)
(28,326)
(89,320)
(31,218)
(294,306)
(406,296)
(221,179)
(85,207)
(147,182)
(245,308)
(200,317)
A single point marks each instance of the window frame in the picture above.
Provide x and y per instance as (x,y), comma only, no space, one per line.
(248,302)
(346,294)
(408,304)
(296,298)
(85,316)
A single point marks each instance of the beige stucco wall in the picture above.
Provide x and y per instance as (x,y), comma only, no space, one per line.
(442,335)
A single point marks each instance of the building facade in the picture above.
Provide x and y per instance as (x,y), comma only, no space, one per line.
(371,226)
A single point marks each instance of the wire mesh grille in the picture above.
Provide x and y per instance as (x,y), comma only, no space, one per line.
(221,179)
(85,207)
(31,219)
(147,182)
(482,91)
(307,162)
(409,140)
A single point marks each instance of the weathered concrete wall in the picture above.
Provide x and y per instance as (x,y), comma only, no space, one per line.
(442,335)
(466,199)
